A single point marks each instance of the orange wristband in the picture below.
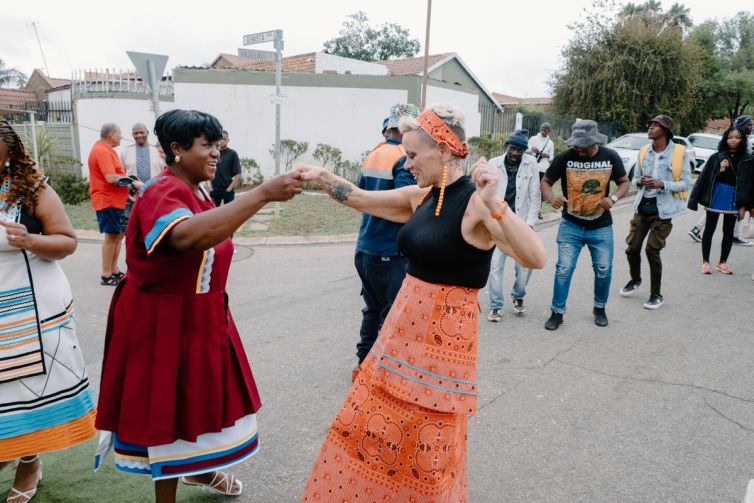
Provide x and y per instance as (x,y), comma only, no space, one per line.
(498,215)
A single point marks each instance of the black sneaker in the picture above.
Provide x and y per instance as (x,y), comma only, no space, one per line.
(654,302)
(696,234)
(600,316)
(630,288)
(741,242)
(518,306)
(495,315)
(556,319)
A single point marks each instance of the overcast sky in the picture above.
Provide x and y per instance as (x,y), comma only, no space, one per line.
(512,47)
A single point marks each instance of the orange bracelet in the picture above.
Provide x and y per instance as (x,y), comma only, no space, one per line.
(498,215)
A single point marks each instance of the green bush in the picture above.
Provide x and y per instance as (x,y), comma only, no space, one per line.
(72,188)
(251,173)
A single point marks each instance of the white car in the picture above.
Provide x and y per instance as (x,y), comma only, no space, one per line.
(628,147)
(704,145)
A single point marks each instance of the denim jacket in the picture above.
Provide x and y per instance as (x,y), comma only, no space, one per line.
(668,205)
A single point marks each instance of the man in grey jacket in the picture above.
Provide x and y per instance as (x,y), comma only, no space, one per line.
(519,188)
(659,199)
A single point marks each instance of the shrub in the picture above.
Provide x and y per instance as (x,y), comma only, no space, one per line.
(71,187)
(290,150)
(251,173)
(329,156)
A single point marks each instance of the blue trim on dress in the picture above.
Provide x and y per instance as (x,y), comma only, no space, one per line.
(14,425)
(423,371)
(162,223)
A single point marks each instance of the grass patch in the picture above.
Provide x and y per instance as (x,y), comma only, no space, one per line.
(82,216)
(68,477)
(309,214)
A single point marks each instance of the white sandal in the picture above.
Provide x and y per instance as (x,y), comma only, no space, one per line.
(218,480)
(17,496)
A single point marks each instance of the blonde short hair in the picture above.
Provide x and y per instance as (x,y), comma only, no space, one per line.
(449,114)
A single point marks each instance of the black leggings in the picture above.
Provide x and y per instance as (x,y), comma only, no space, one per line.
(729,221)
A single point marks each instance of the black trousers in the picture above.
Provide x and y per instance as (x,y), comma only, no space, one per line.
(658,230)
(729,222)
(381,278)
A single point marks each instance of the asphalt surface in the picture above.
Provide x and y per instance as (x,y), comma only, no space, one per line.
(657,407)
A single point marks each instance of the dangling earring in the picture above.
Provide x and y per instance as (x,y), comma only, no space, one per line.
(177,158)
(443,181)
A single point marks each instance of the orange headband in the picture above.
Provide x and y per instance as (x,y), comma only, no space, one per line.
(440,132)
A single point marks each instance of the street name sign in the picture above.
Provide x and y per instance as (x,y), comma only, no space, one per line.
(258,55)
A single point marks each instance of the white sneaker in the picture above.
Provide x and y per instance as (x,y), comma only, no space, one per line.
(495,315)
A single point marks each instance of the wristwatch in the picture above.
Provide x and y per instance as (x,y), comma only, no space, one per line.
(614,198)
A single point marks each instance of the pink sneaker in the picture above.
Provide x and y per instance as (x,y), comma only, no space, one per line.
(706,269)
(724,268)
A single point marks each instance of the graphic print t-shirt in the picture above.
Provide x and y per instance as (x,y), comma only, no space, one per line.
(585,181)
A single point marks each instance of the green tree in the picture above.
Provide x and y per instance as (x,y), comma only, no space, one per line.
(290,150)
(486,145)
(329,156)
(726,50)
(629,67)
(359,40)
(11,76)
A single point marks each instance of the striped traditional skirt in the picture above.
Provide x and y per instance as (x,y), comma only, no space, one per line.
(209,452)
(400,436)
(45,400)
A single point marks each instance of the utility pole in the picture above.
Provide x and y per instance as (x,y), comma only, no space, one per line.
(426,56)
(44,60)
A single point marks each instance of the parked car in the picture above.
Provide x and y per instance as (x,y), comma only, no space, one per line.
(628,147)
(704,145)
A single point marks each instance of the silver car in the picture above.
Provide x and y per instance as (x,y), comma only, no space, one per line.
(628,147)
(704,145)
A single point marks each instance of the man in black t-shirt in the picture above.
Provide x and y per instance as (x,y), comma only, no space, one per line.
(585,172)
(228,173)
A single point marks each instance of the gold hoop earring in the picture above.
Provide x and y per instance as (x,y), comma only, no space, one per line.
(177,158)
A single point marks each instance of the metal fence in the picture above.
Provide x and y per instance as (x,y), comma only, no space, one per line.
(44,112)
(500,124)
(116,81)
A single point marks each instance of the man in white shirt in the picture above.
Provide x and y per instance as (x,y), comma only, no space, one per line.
(141,159)
(543,150)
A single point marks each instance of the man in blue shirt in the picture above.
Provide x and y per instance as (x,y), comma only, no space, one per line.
(380,265)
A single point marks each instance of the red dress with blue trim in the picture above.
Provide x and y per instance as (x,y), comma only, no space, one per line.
(177,394)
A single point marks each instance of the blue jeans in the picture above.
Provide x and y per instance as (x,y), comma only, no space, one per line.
(571,239)
(381,278)
(495,281)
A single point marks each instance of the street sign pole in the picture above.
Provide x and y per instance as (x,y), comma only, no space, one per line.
(153,87)
(150,67)
(275,36)
(278,98)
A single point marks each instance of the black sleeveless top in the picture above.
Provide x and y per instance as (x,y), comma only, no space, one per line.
(32,223)
(434,246)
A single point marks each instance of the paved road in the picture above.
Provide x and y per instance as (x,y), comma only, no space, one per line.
(658,406)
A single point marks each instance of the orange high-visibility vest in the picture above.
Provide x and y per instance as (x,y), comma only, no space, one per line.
(380,161)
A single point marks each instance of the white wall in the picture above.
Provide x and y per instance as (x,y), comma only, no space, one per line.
(346,118)
(92,113)
(60,96)
(467,102)
(341,65)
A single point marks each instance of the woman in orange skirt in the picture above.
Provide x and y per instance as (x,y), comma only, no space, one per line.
(401,433)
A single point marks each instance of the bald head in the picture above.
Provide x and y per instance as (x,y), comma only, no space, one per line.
(140,133)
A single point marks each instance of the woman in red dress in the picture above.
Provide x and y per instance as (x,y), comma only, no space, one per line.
(177,397)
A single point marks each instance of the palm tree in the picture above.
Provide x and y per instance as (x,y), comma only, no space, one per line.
(678,16)
(11,76)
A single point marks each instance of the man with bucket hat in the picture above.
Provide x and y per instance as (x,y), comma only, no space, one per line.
(521,193)
(663,176)
(585,172)
(380,266)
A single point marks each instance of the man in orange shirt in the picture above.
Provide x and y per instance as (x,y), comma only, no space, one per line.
(108,200)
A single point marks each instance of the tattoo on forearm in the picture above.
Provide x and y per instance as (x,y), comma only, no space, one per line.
(339,190)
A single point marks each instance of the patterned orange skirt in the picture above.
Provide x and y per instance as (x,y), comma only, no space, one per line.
(401,433)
